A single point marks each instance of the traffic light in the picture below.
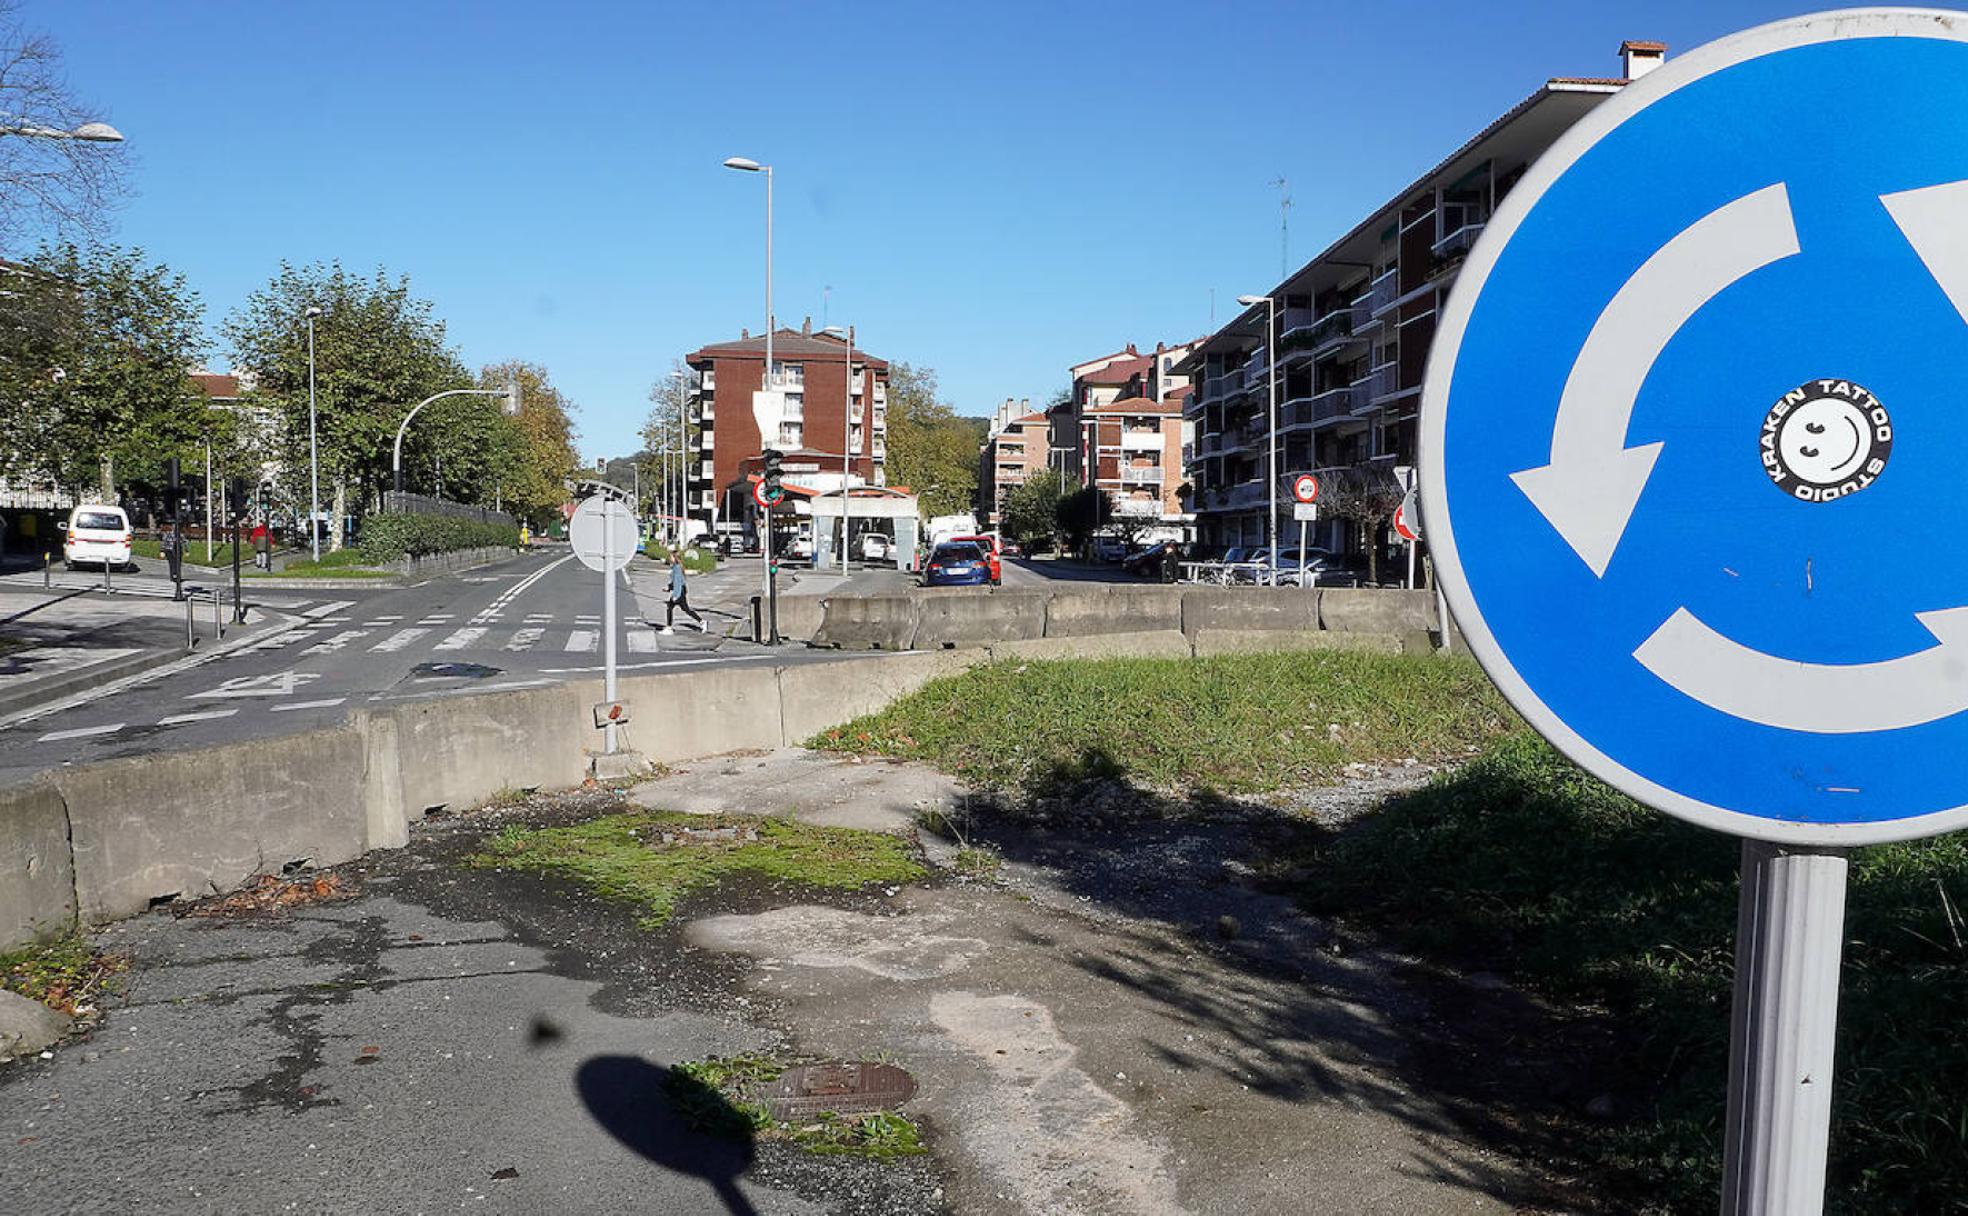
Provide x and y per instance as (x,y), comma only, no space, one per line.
(173,487)
(774,473)
(238,501)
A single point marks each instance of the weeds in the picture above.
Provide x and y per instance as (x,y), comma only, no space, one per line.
(1235,723)
(724,1096)
(650,861)
(67,975)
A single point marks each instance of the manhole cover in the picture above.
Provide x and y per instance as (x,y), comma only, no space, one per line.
(845,1088)
(453,671)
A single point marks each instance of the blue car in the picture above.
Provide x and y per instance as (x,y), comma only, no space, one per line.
(957,565)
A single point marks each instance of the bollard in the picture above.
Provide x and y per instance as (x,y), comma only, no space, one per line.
(47,571)
(108,587)
(191,627)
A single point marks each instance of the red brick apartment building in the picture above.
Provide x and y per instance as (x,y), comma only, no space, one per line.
(811,369)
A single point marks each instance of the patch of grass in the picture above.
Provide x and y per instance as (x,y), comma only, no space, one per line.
(1235,723)
(651,860)
(194,552)
(345,564)
(1522,864)
(67,974)
(722,1096)
(978,863)
(9,645)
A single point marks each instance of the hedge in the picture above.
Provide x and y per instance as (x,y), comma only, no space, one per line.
(386,538)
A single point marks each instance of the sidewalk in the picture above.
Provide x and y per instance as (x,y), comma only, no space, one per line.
(54,643)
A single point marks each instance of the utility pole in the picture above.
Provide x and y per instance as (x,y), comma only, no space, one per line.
(1284,227)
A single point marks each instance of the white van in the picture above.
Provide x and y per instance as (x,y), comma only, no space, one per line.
(99,535)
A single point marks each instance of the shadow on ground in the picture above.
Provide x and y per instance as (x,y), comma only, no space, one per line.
(1316,1009)
(629,1098)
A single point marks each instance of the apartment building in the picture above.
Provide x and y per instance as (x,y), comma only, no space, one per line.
(1017,446)
(829,406)
(1353,328)
(1123,428)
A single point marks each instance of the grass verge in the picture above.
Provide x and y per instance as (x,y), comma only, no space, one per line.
(67,975)
(649,861)
(722,1096)
(194,552)
(1235,723)
(1521,864)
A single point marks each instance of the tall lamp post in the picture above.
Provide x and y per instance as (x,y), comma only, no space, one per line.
(88,132)
(683,456)
(510,408)
(1271,448)
(747,165)
(847,436)
(314,450)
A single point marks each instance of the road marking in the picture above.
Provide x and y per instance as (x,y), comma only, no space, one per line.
(206,716)
(544,618)
(383,620)
(327,704)
(337,642)
(398,640)
(581,639)
(461,639)
(321,610)
(336,620)
(279,684)
(642,641)
(524,639)
(82,733)
(586,620)
(435,619)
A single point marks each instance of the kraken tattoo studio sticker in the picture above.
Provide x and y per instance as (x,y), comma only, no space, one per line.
(1825,439)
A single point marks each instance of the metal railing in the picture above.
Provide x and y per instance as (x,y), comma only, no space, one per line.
(398,502)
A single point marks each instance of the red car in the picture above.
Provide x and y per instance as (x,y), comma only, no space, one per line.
(992,554)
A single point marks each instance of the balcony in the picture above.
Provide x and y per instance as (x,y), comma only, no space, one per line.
(881,394)
(707,382)
(1142,441)
(1255,369)
(703,412)
(1458,242)
(1329,406)
(1292,320)
(1377,383)
(1382,294)
(1141,477)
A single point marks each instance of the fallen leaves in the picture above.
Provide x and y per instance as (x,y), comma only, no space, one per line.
(272,894)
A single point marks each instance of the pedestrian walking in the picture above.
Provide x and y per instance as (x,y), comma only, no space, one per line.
(679,597)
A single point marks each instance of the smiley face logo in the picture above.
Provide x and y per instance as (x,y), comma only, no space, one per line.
(1826,439)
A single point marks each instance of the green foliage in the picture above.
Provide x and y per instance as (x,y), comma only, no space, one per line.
(386,538)
(650,861)
(1081,512)
(1522,864)
(536,450)
(378,351)
(66,974)
(930,449)
(93,350)
(721,1096)
(1231,723)
(1031,511)
(695,560)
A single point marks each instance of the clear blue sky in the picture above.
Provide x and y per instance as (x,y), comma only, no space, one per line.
(994,191)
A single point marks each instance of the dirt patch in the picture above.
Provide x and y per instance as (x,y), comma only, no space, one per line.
(272,895)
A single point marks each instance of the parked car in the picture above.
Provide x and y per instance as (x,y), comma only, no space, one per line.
(989,545)
(802,546)
(1108,549)
(956,564)
(99,535)
(1156,561)
(876,547)
(1011,549)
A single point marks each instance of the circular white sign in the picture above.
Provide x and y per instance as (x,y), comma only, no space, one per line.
(1305,488)
(603,526)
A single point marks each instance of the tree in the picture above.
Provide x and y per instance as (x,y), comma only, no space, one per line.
(94,349)
(378,352)
(1082,512)
(1367,495)
(1031,510)
(667,430)
(65,187)
(538,456)
(930,449)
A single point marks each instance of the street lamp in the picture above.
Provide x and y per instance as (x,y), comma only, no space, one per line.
(509,407)
(88,132)
(683,456)
(1271,456)
(314,448)
(747,165)
(847,434)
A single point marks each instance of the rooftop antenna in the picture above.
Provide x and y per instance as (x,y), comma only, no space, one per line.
(1284,227)
(1212,310)
(826,298)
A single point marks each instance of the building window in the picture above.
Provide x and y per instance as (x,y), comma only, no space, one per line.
(789,435)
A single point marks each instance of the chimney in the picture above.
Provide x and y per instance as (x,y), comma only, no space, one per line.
(1130,348)
(744,334)
(806,326)
(1639,58)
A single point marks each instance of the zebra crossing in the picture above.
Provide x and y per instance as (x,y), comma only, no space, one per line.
(319,637)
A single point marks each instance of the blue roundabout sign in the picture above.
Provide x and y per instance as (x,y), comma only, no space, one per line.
(1694,439)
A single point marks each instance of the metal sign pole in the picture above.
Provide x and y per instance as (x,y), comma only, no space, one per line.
(608,618)
(771,588)
(1302,584)
(1790,930)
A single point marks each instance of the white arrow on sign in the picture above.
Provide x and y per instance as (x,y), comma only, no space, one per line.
(1594,480)
(1821,698)
(1931,218)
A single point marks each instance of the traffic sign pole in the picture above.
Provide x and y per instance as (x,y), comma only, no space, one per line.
(608,630)
(1790,930)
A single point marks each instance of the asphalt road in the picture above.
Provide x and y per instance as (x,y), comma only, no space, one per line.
(521,623)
